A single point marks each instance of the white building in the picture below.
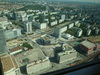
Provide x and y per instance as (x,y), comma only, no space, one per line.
(63,16)
(67,54)
(9,34)
(83,19)
(88,32)
(38,66)
(53,13)
(79,33)
(70,25)
(53,23)
(52,17)
(71,17)
(28,27)
(97,31)
(40,25)
(9,66)
(76,23)
(59,30)
(61,20)
(67,36)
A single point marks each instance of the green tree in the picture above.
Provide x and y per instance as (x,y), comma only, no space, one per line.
(27,45)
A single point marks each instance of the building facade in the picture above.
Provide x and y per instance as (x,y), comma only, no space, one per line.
(67,54)
(87,47)
(3,46)
(28,27)
(9,34)
(38,66)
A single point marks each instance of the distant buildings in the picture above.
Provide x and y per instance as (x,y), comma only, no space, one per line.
(77,24)
(67,53)
(38,65)
(63,17)
(87,47)
(20,16)
(88,32)
(97,31)
(61,20)
(70,25)
(3,46)
(78,31)
(53,23)
(9,66)
(4,22)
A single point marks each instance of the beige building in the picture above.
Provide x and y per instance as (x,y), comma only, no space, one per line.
(67,54)
(38,66)
(9,66)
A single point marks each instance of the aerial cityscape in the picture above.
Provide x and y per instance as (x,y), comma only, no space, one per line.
(43,36)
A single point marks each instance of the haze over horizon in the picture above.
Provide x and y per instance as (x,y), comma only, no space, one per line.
(93,1)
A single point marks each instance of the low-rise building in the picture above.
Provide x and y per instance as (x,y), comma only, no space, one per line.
(97,46)
(67,36)
(48,40)
(38,65)
(9,66)
(15,50)
(97,31)
(9,34)
(67,54)
(4,22)
(77,23)
(53,23)
(70,25)
(63,16)
(61,20)
(87,46)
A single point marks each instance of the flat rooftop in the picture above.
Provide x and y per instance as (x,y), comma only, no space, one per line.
(8,63)
(31,55)
(88,44)
(15,42)
(16,49)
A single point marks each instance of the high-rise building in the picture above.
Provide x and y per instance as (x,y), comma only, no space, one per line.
(3,47)
(28,27)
